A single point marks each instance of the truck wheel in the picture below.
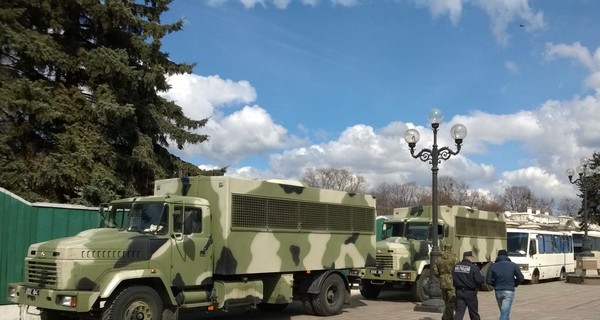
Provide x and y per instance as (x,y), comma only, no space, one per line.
(331,298)
(272,306)
(51,315)
(369,291)
(137,302)
(307,304)
(419,288)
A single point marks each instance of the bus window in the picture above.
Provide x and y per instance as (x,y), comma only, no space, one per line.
(532,247)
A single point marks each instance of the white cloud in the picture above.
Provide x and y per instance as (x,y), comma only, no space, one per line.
(283,4)
(506,12)
(541,182)
(245,132)
(581,55)
(512,67)
(199,96)
(452,8)
(552,137)
(252,3)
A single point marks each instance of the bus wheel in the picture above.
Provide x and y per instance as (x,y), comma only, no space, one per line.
(535,277)
(563,275)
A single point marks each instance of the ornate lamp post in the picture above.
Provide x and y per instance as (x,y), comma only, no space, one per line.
(434,156)
(582,171)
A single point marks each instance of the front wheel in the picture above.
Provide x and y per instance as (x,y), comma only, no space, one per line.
(535,277)
(420,288)
(46,314)
(133,303)
(369,291)
(329,301)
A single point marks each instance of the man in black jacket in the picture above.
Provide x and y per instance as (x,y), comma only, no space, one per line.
(467,279)
(504,276)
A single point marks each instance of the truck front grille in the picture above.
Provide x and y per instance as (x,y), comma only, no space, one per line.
(44,274)
(385,262)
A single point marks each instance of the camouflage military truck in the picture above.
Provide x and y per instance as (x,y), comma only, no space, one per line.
(205,243)
(403,253)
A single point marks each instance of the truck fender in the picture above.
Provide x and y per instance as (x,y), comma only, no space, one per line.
(422,265)
(138,276)
(317,283)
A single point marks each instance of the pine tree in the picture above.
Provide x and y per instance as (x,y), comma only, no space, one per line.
(81,118)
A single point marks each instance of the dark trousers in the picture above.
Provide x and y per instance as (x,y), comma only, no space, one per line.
(449,297)
(464,300)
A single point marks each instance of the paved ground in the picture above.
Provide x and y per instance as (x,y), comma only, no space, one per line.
(549,301)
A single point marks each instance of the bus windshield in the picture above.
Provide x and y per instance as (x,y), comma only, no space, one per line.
(517,244)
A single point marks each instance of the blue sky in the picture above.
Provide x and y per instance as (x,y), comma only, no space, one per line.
(293,84)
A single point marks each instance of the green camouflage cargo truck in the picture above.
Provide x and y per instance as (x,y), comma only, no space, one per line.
(205,243)
(403,260)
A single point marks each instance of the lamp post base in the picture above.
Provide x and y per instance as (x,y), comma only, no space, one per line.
(436,305)
(586,271)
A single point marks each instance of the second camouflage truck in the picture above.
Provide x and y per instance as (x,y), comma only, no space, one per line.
(205,243)
(403,260)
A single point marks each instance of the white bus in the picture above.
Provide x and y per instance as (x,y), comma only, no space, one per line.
(541,254)
(595,243)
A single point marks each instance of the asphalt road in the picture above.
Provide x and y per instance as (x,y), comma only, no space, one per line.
(549,301)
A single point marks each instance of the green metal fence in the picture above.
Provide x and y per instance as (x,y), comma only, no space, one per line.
(23,223)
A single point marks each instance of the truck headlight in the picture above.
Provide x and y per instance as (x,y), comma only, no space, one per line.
(403,276)
(67,301)
(12,292)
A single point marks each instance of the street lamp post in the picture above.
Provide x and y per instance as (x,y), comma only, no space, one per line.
(434,156)
(582,171)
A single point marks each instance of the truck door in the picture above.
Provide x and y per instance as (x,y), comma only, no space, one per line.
(192,246)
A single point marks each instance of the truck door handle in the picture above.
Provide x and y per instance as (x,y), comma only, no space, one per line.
(208,244)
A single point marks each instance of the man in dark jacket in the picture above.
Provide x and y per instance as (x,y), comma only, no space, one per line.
(504,275)
(467,279)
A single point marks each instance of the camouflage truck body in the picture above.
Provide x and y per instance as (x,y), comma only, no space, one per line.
(205,242)
(403,255)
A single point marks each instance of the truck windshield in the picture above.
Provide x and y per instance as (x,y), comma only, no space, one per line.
(417,230)
(137,217)
(148,217)
(516,243)
(392,230)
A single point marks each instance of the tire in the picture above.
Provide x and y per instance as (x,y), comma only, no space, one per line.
(272,306)
(419,289)
(307,304)
(369,291)
(484,272)
(563,275)
(133,302)
(46,314)
(535,277)
(330,300)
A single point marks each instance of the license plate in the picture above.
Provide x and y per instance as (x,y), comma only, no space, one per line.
(32,292)
(376,271)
